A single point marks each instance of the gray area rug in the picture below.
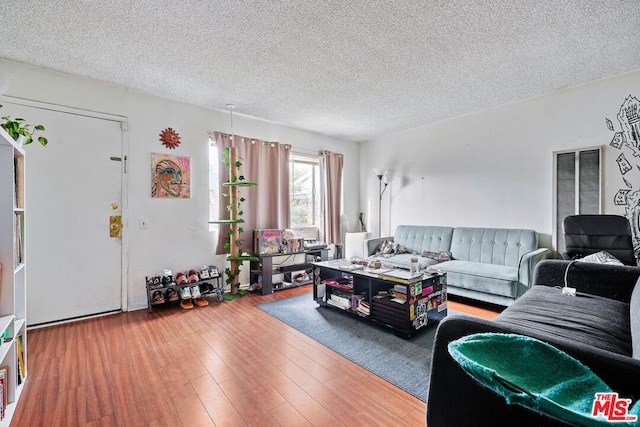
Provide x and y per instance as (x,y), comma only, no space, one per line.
(404,363)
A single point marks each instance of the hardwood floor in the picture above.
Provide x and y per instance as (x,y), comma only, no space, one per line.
(228,364)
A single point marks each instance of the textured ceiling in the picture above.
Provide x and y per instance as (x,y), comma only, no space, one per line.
(349,69)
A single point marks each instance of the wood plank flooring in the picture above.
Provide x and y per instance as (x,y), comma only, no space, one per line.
(228,364)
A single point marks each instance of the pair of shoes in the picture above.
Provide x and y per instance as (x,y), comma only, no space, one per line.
(157,298)
(188,293)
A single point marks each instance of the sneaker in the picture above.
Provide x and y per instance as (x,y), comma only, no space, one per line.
(195,291)
(204,273)
(185,293)
(213,271)
(154,282)
(205,288)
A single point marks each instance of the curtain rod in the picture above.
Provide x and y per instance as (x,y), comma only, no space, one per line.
(305,151)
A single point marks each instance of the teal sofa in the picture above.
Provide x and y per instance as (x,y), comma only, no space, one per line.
(493,265)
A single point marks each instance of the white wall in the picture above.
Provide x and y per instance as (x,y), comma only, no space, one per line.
(493,168)
(178,236)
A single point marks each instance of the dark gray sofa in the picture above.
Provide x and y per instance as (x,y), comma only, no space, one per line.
(600,327)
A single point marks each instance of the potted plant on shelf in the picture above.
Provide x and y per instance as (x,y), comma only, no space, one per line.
(23,132)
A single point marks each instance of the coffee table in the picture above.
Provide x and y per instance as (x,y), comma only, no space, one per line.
(406,305)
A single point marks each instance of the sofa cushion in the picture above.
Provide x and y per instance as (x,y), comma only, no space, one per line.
(590,320)
(500,246)
(420,238)
(488,278)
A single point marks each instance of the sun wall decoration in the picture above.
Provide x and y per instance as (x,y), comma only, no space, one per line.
(170,138)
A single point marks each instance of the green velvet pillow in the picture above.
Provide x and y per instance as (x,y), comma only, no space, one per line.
(536,375)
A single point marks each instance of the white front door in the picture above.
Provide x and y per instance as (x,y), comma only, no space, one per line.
(72,188)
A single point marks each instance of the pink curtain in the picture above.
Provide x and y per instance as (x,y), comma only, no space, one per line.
(268,204)
(331,178)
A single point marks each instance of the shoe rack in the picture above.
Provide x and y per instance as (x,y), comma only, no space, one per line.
(152,288)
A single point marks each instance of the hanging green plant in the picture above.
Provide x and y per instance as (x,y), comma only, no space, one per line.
(17,128)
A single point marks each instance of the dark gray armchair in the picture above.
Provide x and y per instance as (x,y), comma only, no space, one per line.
(588,234)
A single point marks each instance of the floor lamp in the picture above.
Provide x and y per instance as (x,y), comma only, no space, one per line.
(382,179)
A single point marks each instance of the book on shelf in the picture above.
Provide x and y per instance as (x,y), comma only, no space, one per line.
(399,295)
(17,239)
(267,241)
(16,182)
(4,398)
(22,373)
(400,288)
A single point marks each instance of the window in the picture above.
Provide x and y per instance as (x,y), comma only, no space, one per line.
(305,191)
(214,185)
(577,186)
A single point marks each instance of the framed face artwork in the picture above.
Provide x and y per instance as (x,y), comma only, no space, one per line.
(171,176)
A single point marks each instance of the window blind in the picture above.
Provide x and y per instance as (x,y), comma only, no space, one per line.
(578,187)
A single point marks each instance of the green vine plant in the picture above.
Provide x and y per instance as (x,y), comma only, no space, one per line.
(17,128)
(240,180)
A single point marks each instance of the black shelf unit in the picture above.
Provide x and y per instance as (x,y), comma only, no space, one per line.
(426,299)
(264,268)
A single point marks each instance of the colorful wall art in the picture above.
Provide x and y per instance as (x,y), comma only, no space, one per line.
(171,176)
(627,139)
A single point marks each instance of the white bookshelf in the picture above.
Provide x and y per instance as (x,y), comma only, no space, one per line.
(13,297)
